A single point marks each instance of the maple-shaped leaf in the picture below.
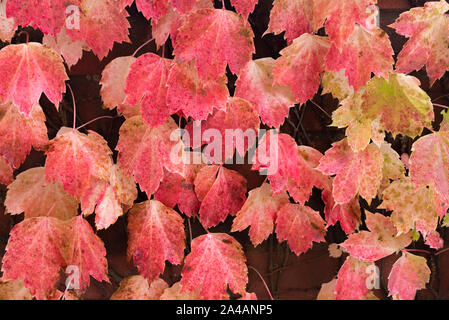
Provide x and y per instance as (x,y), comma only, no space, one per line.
(221,192)
(381,241)
(47,15)
(293,17)
(19,133)
(146,85)
(352,279)
(300,187)
(409,274)
(360,130)
(327,291)
(71,51)
(178,190)
(342,16)
(77,159)
(28,71)
(176,292)
(413,208)
(215,262)
(366,52)
(85,250)
(428,30)
(403,107)
(348,214)
(434,240)
(255,84)
(244,7)
(32,194)
(6,172)
(138,288)
(144,152)
(113,82)
(169,23)
(34,253)
(214,38)
(14,290)
(102,23)
(7,25)
(259,213)
(195,97)
(277,157)
(300,226)
(356,172)
(233,129)
(156,234)
(429,162)
(301,65)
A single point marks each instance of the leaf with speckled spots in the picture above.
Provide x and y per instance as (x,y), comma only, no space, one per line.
(215,262)
(352,279)
(196,98)
(156,234)
(101,24)
(34,196)
(301,65)
(144,152)
(215,38)
(146,85)
(7,25)
(259,213)
(85,250)
(221,194)
(356,172)
(244,7)
(28,70)
(138,288)
(403,107)
(34,253)
(19,133)
(409,274)
(366,52)
(428,30)
(429,162)
(272,101)
(381,241)
(300,226)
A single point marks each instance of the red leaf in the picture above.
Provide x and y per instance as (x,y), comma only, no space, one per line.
(196,98)
(144,152)
(220,194)
(215,38)
(365,53)
(409,274)
(300,226)
(244,7)
(359,172)
(85,250)
(301,65)
(34,253)
(28,70)
(147,85)
(102,22)
(47,15)
(216,261)
(272,101)
(19,133)
(259,213)
(352,282)
(156,234)
(380,242)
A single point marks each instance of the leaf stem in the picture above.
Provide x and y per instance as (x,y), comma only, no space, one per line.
(96,119)
(74,105)
(321,108)
(440,105)
(142,46)
(261,278)
(27,35)
(417,250)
